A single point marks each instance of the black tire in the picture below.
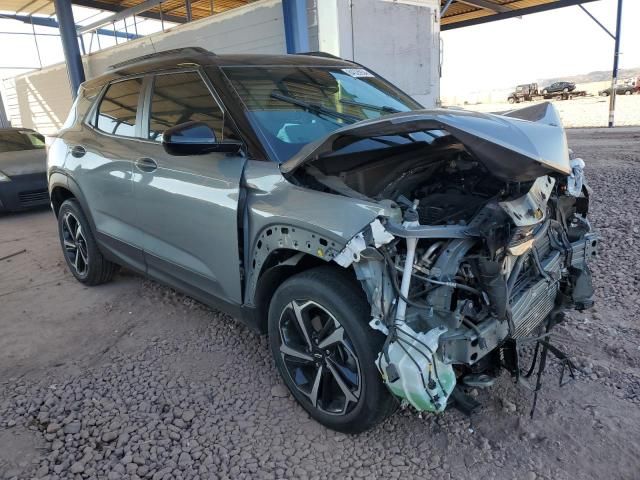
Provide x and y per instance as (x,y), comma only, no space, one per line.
(544,92)
(85,260)
(605,94)
(511,100)
(341,297)
(627,92)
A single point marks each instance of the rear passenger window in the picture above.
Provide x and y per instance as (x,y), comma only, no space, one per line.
(117,110)
(179,98)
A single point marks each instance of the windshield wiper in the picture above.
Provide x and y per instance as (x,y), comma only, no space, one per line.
(314,107)
(383,108)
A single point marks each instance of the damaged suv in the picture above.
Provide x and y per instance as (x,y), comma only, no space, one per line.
(391,253)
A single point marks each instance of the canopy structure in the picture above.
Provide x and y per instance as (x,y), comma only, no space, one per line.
(465,13)
(177,11)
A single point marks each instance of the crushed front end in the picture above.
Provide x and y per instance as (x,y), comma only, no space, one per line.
(467,258)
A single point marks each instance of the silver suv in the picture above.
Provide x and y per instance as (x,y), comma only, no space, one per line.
(392,254)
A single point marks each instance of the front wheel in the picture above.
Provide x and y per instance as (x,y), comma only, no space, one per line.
(326,352)
(80,249)
(627,92)
(544,92)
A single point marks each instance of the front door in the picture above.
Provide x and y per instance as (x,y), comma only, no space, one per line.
(187,205)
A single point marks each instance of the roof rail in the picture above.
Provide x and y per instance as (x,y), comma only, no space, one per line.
(319,54)
(165,53)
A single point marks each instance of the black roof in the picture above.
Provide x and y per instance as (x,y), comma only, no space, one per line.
(181,57)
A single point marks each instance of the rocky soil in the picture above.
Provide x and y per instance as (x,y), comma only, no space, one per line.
(131,380)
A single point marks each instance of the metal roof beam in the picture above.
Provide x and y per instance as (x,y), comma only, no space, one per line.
(108,7)
(121,15)
(516,12)
(50,22)
(597,21)
(487,5)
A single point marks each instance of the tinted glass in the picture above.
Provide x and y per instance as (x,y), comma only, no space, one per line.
(292,106)
(117,111)
(179,98)
(20,140)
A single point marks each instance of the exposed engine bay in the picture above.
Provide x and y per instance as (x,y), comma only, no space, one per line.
(465,261)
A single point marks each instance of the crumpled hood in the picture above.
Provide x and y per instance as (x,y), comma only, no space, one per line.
(519,145)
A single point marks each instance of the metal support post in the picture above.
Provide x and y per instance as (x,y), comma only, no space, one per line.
(69,39)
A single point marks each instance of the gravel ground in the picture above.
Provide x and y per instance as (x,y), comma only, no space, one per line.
(131,380)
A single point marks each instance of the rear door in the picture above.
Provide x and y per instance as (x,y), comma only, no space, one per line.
(187,205)
(101,156)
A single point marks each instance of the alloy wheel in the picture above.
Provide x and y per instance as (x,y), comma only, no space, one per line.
(75,243)
(319,357)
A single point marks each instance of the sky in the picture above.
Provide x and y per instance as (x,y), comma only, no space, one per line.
(550,44)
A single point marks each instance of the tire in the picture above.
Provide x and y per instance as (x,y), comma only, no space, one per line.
(544,92)
(627,92)
(605,94)
(327,300)
(79,246)
(511,100)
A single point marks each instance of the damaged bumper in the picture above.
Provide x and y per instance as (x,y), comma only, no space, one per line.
(467,310)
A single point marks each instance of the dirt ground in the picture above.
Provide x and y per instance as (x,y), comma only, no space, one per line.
(131,380)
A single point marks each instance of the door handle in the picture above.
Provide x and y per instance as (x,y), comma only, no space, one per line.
(146,164)
(78,151)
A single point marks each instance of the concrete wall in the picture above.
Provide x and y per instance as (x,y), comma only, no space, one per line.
(399,39)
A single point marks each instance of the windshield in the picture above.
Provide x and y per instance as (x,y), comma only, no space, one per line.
(14,140)
(291,106)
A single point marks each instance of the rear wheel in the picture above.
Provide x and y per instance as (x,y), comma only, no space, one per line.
(326,352)
(627,92)
(80,248)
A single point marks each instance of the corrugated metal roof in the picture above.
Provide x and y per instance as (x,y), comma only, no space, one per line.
(171,8)
(460,13)
(28,7)
(463,13)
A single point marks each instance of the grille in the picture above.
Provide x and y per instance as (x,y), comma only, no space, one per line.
(532,307)
(35,196)
(543,245)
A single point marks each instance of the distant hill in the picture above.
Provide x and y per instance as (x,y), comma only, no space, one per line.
(593,76)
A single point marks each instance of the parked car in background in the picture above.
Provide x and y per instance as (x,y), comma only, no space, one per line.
(390,252)
(620,90)
(557,87)
(23,178)
(524,92)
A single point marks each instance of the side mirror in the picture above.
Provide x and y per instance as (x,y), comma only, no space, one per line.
(195,138)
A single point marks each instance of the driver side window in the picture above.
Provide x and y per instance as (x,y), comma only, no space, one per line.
(182,97)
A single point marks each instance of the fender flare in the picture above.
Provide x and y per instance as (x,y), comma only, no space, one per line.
(59,179)
(282,237)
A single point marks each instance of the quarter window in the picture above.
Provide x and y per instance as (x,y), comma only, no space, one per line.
(118,108)
(179,98)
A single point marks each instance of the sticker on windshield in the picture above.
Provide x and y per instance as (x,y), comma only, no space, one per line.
(357,72)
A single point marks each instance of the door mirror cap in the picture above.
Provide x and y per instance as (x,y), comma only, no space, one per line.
(195,138)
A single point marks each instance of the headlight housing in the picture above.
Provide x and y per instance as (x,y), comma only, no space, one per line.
(4,178)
